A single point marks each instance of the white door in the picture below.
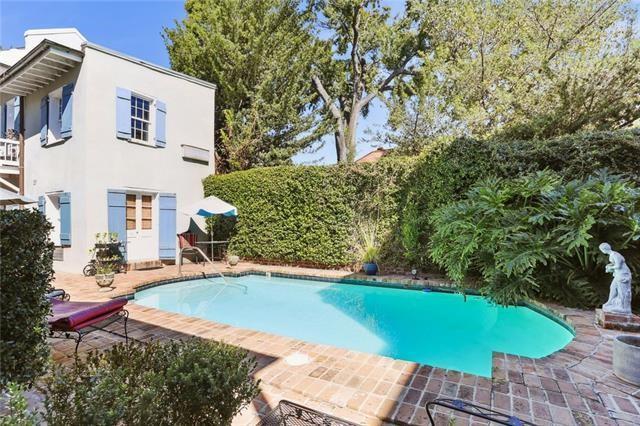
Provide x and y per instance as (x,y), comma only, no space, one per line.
(140,227)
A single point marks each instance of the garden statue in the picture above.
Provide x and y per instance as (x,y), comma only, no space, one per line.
(620,294)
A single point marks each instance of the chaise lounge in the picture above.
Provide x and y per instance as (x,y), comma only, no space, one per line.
(74,320)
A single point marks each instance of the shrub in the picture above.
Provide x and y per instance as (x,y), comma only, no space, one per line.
(183,383)
(538,236)
(445,171)
(307,214)
(26,258)
(16,408)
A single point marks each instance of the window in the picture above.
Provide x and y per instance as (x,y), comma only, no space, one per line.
(131,211)
(140,118)
(146,212)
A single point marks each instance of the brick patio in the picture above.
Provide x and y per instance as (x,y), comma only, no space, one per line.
(574,386)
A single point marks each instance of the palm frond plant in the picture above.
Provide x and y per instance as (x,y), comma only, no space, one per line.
(538,235)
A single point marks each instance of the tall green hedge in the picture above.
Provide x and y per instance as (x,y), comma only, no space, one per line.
(26,259)
(307,214)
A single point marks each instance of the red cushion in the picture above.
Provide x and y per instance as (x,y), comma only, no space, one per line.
(75,315)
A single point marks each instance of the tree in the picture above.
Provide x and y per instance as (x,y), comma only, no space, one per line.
(529,69)
(260,54)
(373,54)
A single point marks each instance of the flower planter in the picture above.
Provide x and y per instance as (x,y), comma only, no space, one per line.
(626,358)
(105,281)
(233,260)
(370,268)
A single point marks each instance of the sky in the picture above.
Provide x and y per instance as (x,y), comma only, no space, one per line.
(134,28)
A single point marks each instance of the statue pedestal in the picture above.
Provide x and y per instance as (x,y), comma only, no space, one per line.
(613,321)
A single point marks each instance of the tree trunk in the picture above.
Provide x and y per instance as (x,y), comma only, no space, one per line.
(351,134)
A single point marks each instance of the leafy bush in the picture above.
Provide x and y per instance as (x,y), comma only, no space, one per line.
(26,258)
(446,170)
(183,383)
(538,236)
(16,408)
(307,214)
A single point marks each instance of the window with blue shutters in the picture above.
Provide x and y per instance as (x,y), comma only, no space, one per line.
(42,204)
(140,119)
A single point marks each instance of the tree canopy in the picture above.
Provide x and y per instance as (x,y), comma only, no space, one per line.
(260,54)
(292,71)
(526,69)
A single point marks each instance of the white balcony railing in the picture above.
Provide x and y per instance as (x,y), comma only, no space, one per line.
(9,152)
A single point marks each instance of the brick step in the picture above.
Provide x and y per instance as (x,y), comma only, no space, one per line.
(142,265)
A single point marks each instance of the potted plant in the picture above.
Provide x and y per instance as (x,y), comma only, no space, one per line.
(107,259)
(367,247)
(105,273)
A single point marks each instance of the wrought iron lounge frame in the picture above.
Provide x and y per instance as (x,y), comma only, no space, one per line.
(476,411)
(78,335)
(289,413)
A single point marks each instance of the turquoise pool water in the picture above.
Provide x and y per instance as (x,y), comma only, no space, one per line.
(437,329)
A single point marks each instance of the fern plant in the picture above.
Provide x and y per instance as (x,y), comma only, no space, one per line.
(538,236)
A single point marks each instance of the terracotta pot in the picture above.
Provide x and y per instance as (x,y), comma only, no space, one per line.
(233,260)
(626,358)
(105,280)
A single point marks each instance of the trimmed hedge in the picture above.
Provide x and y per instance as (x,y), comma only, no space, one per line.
(307,214)
(26,269)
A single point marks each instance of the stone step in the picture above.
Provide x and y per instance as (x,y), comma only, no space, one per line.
(141,265)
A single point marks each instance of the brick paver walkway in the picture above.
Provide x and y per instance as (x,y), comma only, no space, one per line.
(574,386)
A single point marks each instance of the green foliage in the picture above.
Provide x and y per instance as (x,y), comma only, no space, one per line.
(17,409)
(538,236)
(182,383)
(307,214)
(446,170)
(375,54)
(523,68)
(260,54)
(26,256)
(367,244)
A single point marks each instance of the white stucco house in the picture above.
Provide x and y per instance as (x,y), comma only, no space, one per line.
(106,142)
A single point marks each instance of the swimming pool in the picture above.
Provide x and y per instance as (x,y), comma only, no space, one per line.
(434,328)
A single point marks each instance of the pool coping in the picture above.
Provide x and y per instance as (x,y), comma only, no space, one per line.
(408,284)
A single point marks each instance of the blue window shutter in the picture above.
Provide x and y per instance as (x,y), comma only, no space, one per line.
(161,124)
(44,120)
(3,121)
(65,219)
(67,111)
(117,214)
(42,204)
(123,113)
(168,235)
(16,114)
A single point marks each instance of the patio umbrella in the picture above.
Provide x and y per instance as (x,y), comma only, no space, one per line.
(8,198)
(207,207)
(210,206)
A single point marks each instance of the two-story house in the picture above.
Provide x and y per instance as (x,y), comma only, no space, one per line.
(104,142)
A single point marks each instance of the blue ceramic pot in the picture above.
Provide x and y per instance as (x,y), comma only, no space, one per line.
(370,268)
